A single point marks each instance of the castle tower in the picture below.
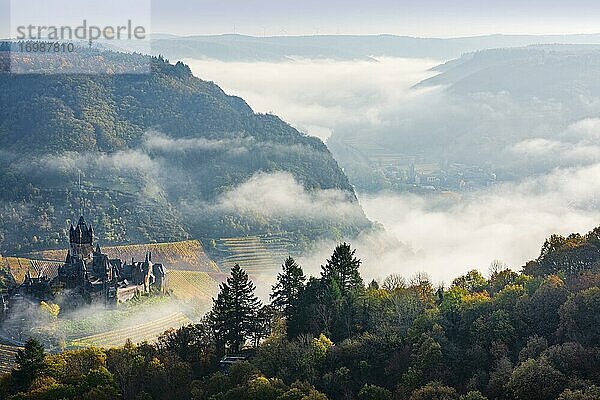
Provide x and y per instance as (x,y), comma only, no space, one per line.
(81,240)
(147,271)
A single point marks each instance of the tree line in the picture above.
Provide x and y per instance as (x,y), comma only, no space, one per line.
(533,335)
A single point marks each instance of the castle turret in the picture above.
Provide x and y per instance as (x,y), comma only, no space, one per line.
(81,238)
(148,278)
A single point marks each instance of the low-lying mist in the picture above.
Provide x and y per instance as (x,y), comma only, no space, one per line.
(448,235)
(318,96)
(141,319)
(508,222)
(550,152)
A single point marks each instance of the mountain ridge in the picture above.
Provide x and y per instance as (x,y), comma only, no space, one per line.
(235,47)
(157,155)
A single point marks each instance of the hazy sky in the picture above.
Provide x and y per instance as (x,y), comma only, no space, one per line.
(405,17)
(439,18)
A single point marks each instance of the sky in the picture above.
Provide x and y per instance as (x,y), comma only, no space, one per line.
(425,18)
(430,18)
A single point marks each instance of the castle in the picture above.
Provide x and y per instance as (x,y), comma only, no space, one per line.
(89,276)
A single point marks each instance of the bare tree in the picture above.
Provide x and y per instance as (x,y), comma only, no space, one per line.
(497,266)
(394,282)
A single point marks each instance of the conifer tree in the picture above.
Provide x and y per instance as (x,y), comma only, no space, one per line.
(342,268)
(234,311)
(289,287)
(30,362)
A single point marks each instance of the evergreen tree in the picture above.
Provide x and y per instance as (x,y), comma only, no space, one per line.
(342,268)
(374,285)
(234,311)
(289,287)
(262,324)
(30,361)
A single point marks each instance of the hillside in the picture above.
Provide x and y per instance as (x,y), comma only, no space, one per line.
(524,72)
(512,96)
(187,255)
(514,111)
(154,154)
(342,47)
(255,254)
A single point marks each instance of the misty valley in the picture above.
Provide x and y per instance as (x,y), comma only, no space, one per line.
(311,217)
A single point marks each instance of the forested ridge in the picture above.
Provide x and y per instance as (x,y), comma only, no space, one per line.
(528,335)
(149,153)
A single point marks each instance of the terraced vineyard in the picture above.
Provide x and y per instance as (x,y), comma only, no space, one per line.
(46,268)
(18,267)
(254,253)
(145,332)
(7,357)
(279,246)
(185,255)
(192,285)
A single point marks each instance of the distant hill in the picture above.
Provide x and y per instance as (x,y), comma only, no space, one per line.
(517,111)
(149,154)
(557,72)
(509,96)
(343,47)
